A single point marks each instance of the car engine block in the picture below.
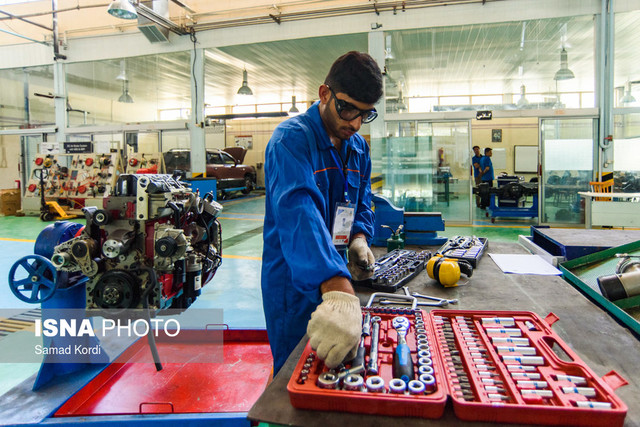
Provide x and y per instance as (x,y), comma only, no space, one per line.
(154,244)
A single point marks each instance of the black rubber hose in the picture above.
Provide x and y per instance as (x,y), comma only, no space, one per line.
(145,303)
(176,214)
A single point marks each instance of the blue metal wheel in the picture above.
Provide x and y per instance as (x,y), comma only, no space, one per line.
(33,279)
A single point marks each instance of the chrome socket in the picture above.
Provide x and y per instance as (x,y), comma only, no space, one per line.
(353,383)
(416,387)
(425,369)
(375,384)
(397,386)
(327,380)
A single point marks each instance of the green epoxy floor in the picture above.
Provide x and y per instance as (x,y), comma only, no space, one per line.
(236,286)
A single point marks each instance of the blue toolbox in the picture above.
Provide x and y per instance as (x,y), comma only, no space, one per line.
(468,248)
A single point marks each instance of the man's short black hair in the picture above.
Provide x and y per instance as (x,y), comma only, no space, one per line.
(357,74)
(486,150)
(476,146)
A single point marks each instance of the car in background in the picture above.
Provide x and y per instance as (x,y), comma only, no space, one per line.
(228,170)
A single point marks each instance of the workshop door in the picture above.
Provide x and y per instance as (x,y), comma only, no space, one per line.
(568,147)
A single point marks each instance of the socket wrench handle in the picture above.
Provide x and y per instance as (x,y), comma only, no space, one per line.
(402,362)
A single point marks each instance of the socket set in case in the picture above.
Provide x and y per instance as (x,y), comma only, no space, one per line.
(468,248)
(497,366)
(395,269)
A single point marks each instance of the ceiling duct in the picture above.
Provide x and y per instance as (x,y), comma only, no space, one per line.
(151,30)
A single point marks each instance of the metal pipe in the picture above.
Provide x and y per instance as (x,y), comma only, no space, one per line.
(49,12)
(24,37)
(323,13)
(26,20)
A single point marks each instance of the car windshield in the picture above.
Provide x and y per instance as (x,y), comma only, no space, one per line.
(227,159)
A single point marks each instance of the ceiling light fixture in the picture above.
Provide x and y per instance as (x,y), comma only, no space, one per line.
(388,54)
(244,89)
(125,97)
(122,9)
(564,73)
(522,102)
(293,109)
(627,98)
(123,72)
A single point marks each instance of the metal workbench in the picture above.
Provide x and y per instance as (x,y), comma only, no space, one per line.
(602,343)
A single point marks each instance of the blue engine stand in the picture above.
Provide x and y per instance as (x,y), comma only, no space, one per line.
(493,210)
(62,297)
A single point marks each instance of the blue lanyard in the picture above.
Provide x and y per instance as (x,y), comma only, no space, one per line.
(342,168)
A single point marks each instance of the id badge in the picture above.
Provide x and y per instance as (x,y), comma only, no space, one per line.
(342,224)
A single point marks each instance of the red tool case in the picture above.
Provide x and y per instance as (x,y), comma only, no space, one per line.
(498,366)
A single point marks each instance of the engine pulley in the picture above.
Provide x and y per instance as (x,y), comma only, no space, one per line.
(116,289)
(166,246)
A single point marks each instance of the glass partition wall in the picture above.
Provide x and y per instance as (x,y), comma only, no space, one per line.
(568,147)
(26,98)
(424,167)
(138,89)
(626,153)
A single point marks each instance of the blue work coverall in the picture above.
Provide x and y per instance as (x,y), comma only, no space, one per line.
(304,182)
(488,175)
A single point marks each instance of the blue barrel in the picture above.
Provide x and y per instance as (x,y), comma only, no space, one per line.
(53,235)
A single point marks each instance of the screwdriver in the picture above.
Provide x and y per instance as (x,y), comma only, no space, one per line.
(402,362)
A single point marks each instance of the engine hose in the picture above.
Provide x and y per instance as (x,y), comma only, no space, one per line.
(145,303)
(176,214)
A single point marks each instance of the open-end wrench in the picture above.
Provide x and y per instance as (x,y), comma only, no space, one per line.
(400,297)
(372,366)
(450,301)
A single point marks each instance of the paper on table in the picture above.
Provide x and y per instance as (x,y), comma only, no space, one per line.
(524,264)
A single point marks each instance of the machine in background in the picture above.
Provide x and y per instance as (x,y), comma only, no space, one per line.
(511,194)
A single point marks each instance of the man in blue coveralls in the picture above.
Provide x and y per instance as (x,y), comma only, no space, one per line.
(475,164)
(318,205)
(486,170)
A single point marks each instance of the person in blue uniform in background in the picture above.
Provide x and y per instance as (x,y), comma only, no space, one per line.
(318,205)
(475,164)
(486,170)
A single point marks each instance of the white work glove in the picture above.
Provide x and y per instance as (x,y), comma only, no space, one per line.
(361,259)
(335,328)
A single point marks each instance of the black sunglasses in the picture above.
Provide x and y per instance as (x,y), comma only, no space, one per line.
(348,111)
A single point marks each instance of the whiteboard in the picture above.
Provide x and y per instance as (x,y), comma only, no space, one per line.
(499,159)
(525,159)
